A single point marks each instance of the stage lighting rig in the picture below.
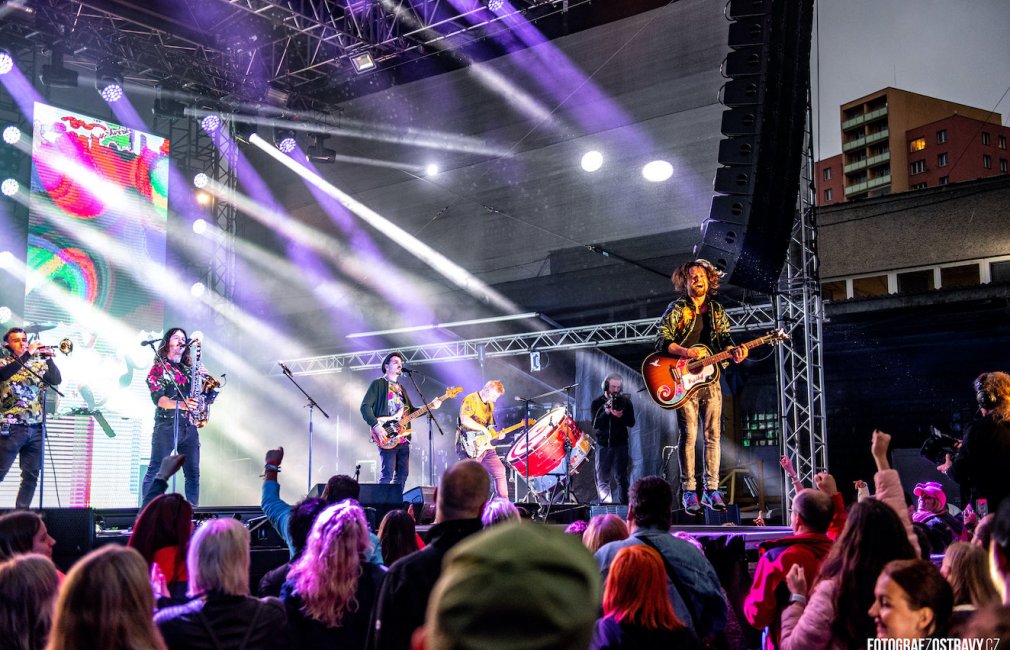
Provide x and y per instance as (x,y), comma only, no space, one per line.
(54,75)
(165,103)
(244,131)
(109,80)
(318,151)
(284,139)
(362,62)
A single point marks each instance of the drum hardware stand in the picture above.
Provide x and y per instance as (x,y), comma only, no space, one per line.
(312,405)
(431,418)
(526,447)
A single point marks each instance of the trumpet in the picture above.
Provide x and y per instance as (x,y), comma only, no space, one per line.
(66,346)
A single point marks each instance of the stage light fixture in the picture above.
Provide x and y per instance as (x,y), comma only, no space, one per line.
(657,171)
(109,81)
(54,75)
(362,62)
(199,226)
(318,151)
(12,134)
(6,62)
(201,180)
(431,169)
(203,198)
(7,262)
(10,187)
(165,103)
(197,289)
(284,139)
(210,123)
(244,131)
(592,161)
(495,5)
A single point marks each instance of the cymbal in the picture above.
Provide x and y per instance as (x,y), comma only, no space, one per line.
(35,328)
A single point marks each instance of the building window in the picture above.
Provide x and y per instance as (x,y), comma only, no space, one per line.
(917,145)
(987,161)
(941,136)
(944,180)
(833,290)
(916,281)
(985,137)
(827,195)
(999,271)
(918,167)
(941,160)
(1003,165)
(826,174)
(919,186)
(872,286)
(959,276)
(1001,142)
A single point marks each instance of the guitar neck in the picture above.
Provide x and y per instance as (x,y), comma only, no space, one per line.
(725,355)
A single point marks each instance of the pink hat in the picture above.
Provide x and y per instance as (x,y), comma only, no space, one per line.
(931,489)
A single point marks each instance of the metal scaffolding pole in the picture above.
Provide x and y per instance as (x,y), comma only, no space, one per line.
(800,311)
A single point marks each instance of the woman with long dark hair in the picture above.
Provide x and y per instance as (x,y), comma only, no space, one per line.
(397,536)
(636,605)
(23,531)
(28,588)
(911,601)
(877,531)
(161,536)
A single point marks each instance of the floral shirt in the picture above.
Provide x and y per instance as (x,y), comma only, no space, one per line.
(676,323)
(20,391)
(159,381)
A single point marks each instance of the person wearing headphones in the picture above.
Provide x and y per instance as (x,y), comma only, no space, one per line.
(981,459)
(613,414)
(385,397)
(23,370)
(695,319)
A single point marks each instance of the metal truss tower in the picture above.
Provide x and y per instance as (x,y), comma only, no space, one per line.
(800,311)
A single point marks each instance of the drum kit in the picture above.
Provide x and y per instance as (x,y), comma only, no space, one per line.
(549,454)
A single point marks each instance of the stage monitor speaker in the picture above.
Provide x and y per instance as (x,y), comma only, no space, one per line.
(605,509)
(423,500)
(374,494)
(74,532)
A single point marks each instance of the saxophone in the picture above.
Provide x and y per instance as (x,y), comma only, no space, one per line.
(198,416)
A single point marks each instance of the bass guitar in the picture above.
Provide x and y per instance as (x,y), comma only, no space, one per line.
(475,443)
(671,381)
(396,427)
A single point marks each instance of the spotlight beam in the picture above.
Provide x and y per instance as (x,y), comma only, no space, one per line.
(449,270)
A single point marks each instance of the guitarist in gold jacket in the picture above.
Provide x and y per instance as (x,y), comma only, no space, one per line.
(691,320)
(476,416)
(385,396)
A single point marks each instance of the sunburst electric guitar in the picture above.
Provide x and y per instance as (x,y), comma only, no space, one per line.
(395,427)
(672,380)
(475,443)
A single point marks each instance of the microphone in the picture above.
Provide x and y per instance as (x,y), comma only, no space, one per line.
(287,371)
(144,344)
(189,343)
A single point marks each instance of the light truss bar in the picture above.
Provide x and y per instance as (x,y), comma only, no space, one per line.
(742,319)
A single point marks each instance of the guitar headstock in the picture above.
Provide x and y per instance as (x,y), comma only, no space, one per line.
(451,392)
(777,336)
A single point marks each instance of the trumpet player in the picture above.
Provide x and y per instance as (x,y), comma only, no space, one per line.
(24,368)
(169,383)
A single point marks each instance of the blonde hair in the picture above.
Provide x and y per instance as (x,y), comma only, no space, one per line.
(325,576)
(218,558)
(106,603)
(603,529)
(495,384)
(968,575)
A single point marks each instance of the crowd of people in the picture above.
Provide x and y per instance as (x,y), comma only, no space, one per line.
(484,579)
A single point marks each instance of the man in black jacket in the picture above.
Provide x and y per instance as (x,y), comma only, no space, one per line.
(403,599)
(613,414)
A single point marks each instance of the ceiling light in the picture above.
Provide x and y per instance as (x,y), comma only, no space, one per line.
(54,75)
(210,123)
(362,62)
(12,134)
(592,161)
(109,80)
(9,187)
(657,171)
(431,169)
(201,180)
(199,226)
(6,62)
(285,139)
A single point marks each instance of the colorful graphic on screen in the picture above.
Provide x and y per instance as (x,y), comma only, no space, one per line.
(98,210)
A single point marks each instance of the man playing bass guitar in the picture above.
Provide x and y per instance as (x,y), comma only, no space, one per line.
(692,319)
(384,397)
(476,431)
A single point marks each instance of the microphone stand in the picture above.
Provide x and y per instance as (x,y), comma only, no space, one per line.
(43,386)
(178,391)
(431,441)
(312,404)
(526,434)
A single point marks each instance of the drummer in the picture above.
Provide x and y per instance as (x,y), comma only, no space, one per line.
(476,414)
